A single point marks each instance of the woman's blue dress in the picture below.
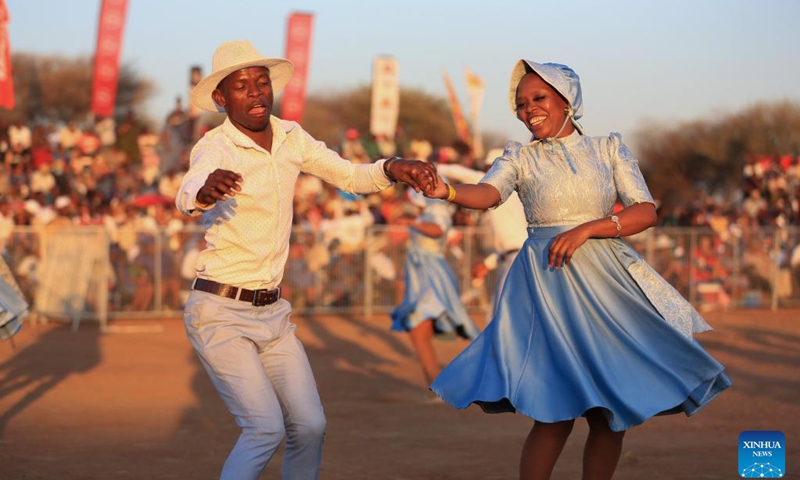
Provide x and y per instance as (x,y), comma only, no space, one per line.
(431,288)
(606,330)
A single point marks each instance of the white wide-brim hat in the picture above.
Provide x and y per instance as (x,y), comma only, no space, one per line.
(562,78)
(231,57)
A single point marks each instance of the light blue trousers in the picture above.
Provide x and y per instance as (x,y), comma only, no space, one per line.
(261,371)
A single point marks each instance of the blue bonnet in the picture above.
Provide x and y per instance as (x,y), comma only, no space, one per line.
(562,78)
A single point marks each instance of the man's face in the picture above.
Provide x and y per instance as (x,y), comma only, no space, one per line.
(246,95)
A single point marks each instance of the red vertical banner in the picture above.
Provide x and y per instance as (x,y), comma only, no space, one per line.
(298,50)
(462,129)
(106,59)
(6,81)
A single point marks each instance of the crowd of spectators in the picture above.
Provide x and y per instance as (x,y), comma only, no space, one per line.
(748,247)
(118,174)
(122,175)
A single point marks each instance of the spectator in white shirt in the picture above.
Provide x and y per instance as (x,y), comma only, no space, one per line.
(69,136)
(106,129)
(19,136)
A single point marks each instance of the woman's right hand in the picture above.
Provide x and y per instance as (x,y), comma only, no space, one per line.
(479,196)
(437,191)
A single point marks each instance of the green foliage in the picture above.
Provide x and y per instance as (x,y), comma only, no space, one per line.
(421,116)
(52,89)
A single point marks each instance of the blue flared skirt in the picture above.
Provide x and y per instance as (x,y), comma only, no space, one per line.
(432,293)
(606,331)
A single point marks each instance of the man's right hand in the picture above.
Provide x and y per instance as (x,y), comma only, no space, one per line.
(219,185)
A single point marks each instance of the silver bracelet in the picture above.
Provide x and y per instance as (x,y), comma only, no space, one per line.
(615,219)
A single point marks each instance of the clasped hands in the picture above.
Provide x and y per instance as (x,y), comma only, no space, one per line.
(419,175)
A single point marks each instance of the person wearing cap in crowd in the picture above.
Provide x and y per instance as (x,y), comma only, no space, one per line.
(431,302)
(584,326)
(63,212)
(241,181)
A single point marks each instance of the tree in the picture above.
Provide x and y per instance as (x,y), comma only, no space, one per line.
(51,89)
(709,155)
(421,114)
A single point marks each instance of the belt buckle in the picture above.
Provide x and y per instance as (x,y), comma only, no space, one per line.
(263,297)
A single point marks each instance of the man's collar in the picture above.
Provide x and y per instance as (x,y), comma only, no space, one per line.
(241,140)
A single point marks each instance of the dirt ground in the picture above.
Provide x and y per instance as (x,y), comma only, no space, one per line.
(134,403)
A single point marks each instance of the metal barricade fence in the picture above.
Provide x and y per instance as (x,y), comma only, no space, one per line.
(82,273)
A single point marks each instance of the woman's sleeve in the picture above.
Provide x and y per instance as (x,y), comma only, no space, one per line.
(503,174)
(628,179)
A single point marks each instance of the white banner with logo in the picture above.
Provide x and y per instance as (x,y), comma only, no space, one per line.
(385,104)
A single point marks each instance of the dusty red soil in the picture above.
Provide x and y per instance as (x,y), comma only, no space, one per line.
(135,404)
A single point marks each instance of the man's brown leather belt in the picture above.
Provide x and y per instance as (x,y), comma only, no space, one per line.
(258,298)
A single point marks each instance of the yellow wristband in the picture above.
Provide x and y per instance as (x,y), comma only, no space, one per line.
(451,193)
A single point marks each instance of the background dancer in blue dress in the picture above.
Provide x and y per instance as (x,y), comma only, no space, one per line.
(584,327)
(507,224)
(432,303)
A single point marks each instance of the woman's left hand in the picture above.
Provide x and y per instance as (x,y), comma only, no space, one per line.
(564,245)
